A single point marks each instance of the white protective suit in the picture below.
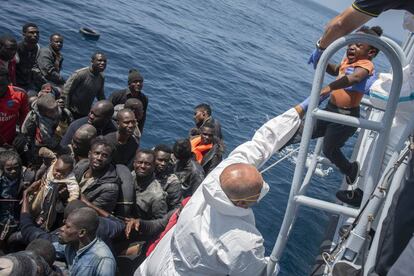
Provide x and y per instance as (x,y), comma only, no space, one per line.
(213,236)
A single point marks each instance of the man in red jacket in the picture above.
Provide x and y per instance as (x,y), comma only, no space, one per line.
(13,109)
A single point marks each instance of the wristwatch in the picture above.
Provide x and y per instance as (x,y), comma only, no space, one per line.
(318,45)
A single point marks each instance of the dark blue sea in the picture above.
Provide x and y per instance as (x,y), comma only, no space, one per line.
(247,59)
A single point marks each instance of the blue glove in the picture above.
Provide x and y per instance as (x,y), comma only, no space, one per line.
(305,104)
(314,58)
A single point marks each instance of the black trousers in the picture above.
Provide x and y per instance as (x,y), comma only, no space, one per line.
(335,135)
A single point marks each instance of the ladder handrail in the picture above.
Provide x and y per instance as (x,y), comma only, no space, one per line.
(393,57)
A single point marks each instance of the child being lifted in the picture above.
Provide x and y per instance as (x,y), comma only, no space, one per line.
(355,76)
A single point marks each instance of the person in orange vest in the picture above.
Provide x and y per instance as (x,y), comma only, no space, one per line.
(207,149)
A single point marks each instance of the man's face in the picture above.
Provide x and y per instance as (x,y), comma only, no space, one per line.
(99,157)
(99,63)
(12,169)
(207,135)
(127,123)
(97,117)
(8,51)
(69,232)
(162,160)
(80,147)
(56,42)
(61,170)
(31,35)
(144,164)
(138,111)
(199,116)
(136,86)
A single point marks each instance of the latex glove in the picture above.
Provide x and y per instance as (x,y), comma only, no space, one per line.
(314,58)
(305,104)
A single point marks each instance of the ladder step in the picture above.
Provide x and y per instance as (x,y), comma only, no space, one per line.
(326,206)
(347,120)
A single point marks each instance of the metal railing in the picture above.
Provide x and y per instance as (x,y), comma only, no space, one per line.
(298,188)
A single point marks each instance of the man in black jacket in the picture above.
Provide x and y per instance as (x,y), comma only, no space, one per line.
(164,173)
(190,173)
(150,197)
(27,53)
(100,116)
(49,62)
(135,84)
(84,85)
(97,177)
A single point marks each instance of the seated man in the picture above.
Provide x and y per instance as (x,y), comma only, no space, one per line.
(123,140)
(85,254)
(202,115)
(109,227)
(150,197)
(97,177)
(208,150)
(216,232)
(190,173)
(164,173)
(100,116)
(137,107)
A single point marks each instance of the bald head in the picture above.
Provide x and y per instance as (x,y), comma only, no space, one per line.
(240,181)
(85,218)
(86,132)
(81,140)
(124,113)
(105,107)
(136,106)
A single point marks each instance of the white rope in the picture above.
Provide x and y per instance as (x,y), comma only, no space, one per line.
(280,160)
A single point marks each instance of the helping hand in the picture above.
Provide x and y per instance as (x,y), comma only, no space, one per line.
(314,58)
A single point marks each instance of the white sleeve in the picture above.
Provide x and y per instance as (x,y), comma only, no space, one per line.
(267,140)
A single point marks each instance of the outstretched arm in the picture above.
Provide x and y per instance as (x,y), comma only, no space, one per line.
(267,140)
(343,24)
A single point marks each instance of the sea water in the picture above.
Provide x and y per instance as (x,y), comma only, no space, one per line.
(247,59)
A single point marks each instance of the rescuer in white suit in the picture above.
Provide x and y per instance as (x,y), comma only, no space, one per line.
(216,233)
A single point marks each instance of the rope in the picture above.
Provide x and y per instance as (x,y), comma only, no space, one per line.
(9,200)
(280,160)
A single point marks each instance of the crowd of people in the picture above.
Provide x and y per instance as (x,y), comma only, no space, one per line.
(79,196)
(74,181)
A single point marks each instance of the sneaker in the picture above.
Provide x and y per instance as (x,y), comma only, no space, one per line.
(353,197)
(352,177)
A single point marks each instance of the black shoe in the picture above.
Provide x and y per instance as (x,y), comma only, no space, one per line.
(352,177)
(353,198)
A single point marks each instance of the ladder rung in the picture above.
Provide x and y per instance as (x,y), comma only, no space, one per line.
(347,120)
(326,206)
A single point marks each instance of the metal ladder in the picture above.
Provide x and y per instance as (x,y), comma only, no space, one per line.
(297,196)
